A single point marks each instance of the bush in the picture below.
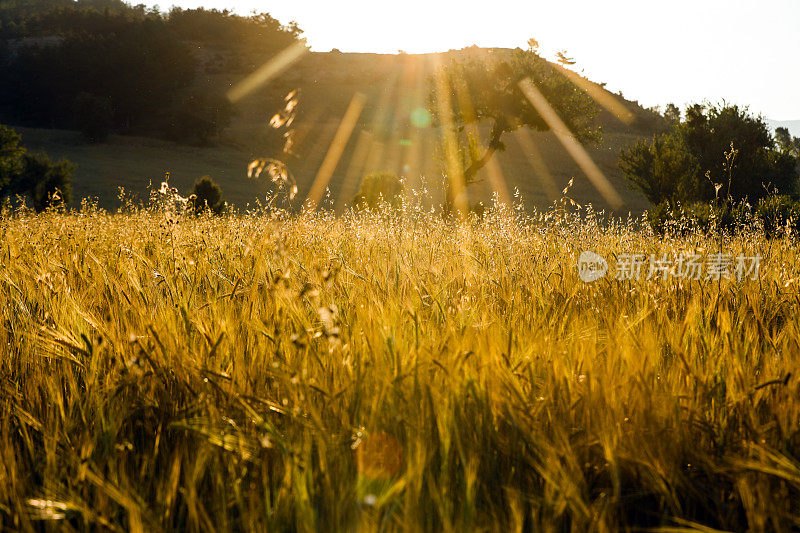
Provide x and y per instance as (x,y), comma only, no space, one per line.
(47,183)
(11,152)
(703,216)
(378,188)
(778,213)
(207,196)
(716,152)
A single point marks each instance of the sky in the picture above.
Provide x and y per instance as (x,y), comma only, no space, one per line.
(683,51)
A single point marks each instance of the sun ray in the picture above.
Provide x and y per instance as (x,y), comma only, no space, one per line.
(306,124)
(498,181)
(600,95)
(335,150)
(455,174)
(540,171)
(311,159)
(355,170)
(267,71)
(397,124)
(494,171)
(382,115)
(375,146)
(400,123)
(412,167)
(570,143)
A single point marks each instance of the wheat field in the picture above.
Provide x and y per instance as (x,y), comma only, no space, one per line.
(389,371)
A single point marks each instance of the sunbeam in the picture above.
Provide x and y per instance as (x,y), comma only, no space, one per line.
(340,140)
(498,181)
(397,124)
(455,174)
(540,171)
(600,95)
(307,124)
(573,147)
(412,167)
(355,169)
(267,71)
(381,116)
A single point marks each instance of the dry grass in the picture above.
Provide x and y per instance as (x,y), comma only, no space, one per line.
(388,372)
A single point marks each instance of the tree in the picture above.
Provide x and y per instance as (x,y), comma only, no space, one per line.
(207,196)
(260,33)
(35,175)
(659,168)
(200,118)
(11,153)
(716,152)
(533,45)
(785,142)
(155,87)
(151,69)
(672,113)
(48,183)
(783,138)
(485,90)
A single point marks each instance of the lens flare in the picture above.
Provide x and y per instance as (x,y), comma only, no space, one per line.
(421,118)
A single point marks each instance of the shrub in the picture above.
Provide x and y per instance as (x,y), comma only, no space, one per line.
(207,196)
(46,182)
(716,152)
(378,188)
(777,213)
(11,152)
(774,214)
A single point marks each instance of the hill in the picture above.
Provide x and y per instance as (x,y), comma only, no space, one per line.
(173,68)
(384,139)
(394,87)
